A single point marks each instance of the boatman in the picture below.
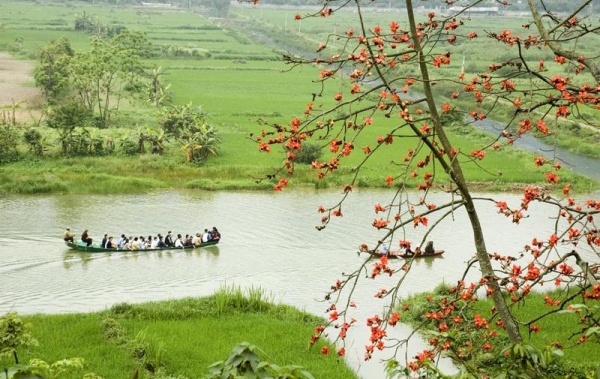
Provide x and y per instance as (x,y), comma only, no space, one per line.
(85,237)
(68,236)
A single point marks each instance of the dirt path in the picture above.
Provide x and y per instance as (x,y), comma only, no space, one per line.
(17,85)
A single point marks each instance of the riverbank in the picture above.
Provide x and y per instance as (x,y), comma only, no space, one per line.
(181,338)
(147,173)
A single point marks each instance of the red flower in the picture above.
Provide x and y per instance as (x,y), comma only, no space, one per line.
(552,177)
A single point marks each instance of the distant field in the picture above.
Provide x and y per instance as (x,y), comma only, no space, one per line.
(238,80)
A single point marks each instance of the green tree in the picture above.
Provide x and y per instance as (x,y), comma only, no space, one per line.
(110,71)
(52,72)
(65,118)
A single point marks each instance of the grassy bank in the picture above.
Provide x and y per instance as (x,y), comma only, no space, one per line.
(145,173)
(181,338)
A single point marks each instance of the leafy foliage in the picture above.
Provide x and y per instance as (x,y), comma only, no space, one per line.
(8,143)
(33,138)
(245,361)
(52,72)
(65,119)
(309,153)
(14,334)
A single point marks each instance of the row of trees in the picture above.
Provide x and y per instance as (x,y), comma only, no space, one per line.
(568,256)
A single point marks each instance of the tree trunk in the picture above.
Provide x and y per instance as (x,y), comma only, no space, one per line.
(455,172)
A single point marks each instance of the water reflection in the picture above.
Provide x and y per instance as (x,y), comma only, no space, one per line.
(73,258)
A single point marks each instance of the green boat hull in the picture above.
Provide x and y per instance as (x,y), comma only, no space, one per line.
(96,248)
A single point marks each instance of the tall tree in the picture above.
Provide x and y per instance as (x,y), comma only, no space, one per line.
(382,94)
(111,70)
(51,74)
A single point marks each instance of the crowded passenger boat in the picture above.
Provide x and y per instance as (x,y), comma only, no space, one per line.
(143,243)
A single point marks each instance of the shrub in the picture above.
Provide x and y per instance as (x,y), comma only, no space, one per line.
(309,153)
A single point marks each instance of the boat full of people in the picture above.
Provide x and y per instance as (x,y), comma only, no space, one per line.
(157,242)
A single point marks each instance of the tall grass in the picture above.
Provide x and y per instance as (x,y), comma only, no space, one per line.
(252,299)
(151,350)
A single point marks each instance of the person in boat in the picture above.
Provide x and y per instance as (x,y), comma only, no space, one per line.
(121,241)
(408,252)
(127,244)
(383,249)
(188,240)
(68,236)
(85,237)
(154,242)
(197,240)
(179,242)
(142,243)
(135,245)
(104,240)
(429,250)
(418,251)
(205,236)
(169,240)
(215,234)
(161,244)
(110,244)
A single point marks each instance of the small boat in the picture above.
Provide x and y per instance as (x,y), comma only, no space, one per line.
(403,255)
(97,248)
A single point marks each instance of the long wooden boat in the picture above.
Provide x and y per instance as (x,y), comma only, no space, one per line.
(97,248)
(402,255)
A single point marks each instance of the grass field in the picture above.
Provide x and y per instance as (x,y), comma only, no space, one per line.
(237,80)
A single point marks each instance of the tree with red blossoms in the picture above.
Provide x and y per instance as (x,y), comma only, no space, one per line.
(374,59)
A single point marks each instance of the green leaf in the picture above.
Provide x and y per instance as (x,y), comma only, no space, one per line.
(593,330)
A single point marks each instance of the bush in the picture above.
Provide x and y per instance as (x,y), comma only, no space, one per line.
(308,153)
(8,143)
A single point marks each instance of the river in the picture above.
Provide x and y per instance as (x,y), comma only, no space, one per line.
(269,241)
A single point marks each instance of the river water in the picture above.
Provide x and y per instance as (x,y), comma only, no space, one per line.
(269,241)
